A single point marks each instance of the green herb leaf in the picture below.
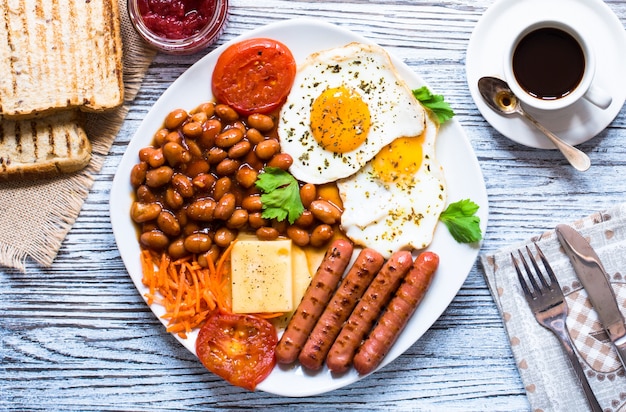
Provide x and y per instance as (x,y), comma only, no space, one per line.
(462,222)
(281,195)
(434,102)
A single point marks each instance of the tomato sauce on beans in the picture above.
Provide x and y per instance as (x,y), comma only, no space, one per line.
(195,185)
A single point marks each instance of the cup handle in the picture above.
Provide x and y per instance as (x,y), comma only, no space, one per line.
(598,97)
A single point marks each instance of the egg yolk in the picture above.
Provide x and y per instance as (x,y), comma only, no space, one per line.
(400,160)
(340,120)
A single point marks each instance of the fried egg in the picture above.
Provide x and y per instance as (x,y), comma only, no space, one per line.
(345,105)
(394,202)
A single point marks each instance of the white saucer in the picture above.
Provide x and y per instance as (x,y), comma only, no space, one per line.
(577,123)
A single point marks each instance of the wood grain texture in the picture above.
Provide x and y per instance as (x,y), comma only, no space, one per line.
(77,336)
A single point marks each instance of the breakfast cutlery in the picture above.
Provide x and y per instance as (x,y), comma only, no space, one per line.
(500,98)
(594,278)
(548,304)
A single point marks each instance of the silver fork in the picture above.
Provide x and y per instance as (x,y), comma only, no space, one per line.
(548,304)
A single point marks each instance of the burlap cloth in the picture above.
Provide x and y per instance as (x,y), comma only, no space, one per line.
(549,381)
(35,216)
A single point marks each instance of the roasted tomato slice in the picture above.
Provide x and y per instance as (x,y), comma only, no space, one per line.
(238,348)
(254,76)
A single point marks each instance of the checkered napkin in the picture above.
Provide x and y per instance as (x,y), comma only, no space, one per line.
(549,380)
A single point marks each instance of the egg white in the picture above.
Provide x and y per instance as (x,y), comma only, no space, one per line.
(366,69)
(399,215)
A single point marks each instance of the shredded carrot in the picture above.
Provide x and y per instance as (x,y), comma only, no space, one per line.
(187,291)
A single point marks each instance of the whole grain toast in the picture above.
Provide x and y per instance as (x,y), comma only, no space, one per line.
(45,146)
(59,54)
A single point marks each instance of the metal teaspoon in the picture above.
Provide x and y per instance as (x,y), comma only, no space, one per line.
(501,99)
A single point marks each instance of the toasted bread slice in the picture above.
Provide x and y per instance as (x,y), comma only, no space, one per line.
(59,54)
(45,146)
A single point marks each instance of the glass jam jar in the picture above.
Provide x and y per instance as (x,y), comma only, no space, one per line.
(179,26)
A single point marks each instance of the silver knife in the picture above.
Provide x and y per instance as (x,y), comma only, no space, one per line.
(596,282)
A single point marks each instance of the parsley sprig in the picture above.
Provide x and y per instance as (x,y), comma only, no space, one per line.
(434,102)
(462,222)
(280,195)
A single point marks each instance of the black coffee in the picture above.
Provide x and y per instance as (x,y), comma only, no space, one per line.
(548,63)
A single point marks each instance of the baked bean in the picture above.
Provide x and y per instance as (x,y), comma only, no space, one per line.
(252,203)
(261,122)
(203,181)
(254,136)
(224,236)
(227,167)
(280,225)
(325,211)
(226,113)
(143,212)
(175,118)
(246,176)
(191,228)
(173,199)
(256,220)
(267,148)
(202,209)
(239,125)
(216,155)
(222,186)
(175,154)
(159,177)
(308,193)
(194,148)
(213,255)
(145,194)
(192,129)
(298,235)
(174,137)
(239,149)
(138,174)
(159,136)
(228,137)
(321,234)
(225,207)
(182,184)
(181,215)
(177,250)
(199,117)
(238,219)
(197,167)
(197,243)
(207,108)
(253,161)
(154,240)
(210,129)
(168,223)
(153,156)
(281,160)
(305,220)
(267,233)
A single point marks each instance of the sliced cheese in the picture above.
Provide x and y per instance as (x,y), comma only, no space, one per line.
(301,274)
(261,276)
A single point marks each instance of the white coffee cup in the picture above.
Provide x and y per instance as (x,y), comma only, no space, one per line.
(543,63)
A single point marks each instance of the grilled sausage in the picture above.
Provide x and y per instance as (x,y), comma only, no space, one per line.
(394,319)
(364,315)
(356,281)
(314,301)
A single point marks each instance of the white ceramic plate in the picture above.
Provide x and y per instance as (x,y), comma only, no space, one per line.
(579,122)
(463,175)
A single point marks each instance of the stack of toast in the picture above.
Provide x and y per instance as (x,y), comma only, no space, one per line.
(58,58)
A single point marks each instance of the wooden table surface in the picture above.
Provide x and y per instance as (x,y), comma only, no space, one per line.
(77,336)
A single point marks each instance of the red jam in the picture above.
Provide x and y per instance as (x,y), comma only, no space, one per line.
(176,19)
